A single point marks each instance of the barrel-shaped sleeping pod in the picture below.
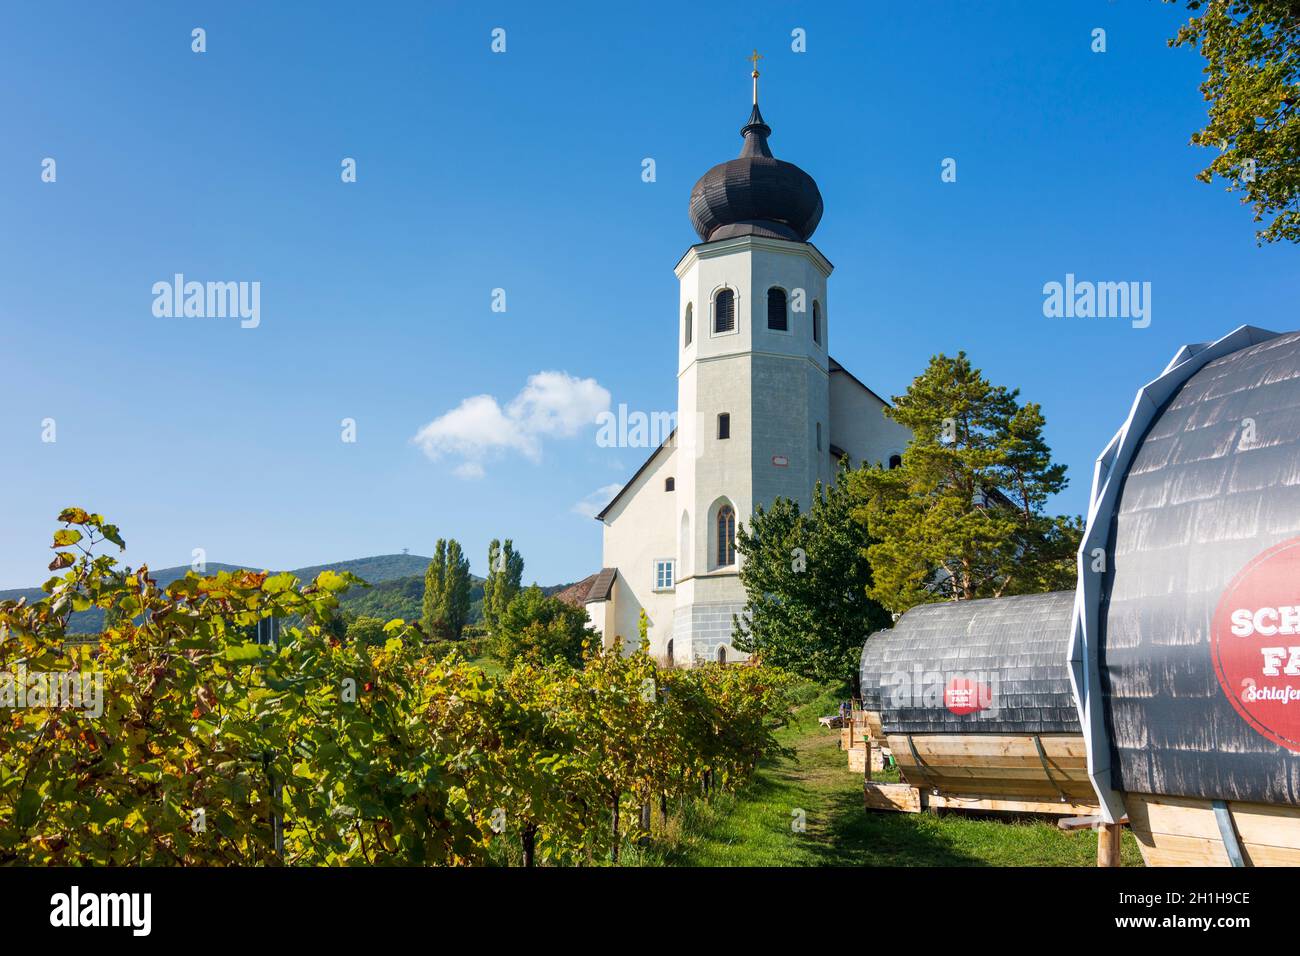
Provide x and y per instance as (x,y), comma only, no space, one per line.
(1186,647)
(976,705)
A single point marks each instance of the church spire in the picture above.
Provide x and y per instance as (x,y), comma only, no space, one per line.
(755,131)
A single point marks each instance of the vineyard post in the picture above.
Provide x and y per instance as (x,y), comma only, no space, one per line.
(529,838)
(613,853)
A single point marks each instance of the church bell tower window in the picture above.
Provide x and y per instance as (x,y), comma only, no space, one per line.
(690,321)
(776,313)
(724,311)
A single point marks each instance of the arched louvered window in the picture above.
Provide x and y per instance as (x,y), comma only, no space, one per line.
(776,316)
(895,461)
(817,323)
(724,311)
(726,536)
(690,321)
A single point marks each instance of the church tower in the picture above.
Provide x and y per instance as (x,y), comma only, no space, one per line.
(753,375)
(763,411)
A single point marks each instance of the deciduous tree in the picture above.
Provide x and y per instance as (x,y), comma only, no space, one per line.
(806,578)
(1252,83)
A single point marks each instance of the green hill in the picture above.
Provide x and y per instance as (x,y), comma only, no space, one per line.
(397,588)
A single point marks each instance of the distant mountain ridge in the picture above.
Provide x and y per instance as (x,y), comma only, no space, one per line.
(397,588)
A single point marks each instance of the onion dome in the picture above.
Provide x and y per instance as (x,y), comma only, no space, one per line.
(755,194)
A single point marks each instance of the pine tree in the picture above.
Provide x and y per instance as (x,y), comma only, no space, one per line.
(963,517)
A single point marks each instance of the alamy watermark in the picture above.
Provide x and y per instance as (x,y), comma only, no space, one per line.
(1101,300)
(83,690)
(209,300)
(626,429)
(961,692)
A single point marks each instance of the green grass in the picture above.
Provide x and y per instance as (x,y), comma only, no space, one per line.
(753,826)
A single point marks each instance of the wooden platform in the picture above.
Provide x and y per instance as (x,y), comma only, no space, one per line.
(999,768)
(905,798)
(1184,831)
(899,797)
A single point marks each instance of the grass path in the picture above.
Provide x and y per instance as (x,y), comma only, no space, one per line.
(754,826)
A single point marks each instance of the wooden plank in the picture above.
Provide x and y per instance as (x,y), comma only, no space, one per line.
(1067,747)
(1079,823)
(898,797)
(1183,831)
(1265,824)
(992,803)
(990,781)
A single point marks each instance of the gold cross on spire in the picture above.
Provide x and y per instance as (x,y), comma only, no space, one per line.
(754,58)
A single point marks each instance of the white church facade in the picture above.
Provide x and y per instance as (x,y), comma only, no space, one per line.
(762,410)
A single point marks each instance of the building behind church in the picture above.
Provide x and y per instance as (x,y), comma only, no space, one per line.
(762,410)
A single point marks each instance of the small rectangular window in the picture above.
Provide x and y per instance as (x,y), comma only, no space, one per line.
(664,574)
(670,484)
(724,425)
(819,436)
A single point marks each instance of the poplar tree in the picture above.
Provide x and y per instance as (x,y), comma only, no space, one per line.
(503,581)
(447,588)
(456,589)
(433,618)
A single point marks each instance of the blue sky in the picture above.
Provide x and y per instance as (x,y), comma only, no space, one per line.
(522,171)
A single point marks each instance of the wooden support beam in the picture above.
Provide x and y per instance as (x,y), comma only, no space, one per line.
(1109,840)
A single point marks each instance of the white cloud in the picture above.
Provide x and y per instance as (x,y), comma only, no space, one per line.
(550,405)
(595,502)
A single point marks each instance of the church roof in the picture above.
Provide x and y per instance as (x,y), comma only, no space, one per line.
(755,194)
(837,367)
(666,443)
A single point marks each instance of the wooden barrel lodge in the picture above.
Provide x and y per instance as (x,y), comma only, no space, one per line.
(1185,652)
(976,705)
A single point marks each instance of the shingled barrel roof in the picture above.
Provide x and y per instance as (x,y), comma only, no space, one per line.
(1015,646)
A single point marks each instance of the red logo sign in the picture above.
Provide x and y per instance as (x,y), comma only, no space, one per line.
(965,696)
(1255,643)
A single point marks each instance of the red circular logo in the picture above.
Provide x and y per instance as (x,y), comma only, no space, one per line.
(1255,643)
(963,695)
